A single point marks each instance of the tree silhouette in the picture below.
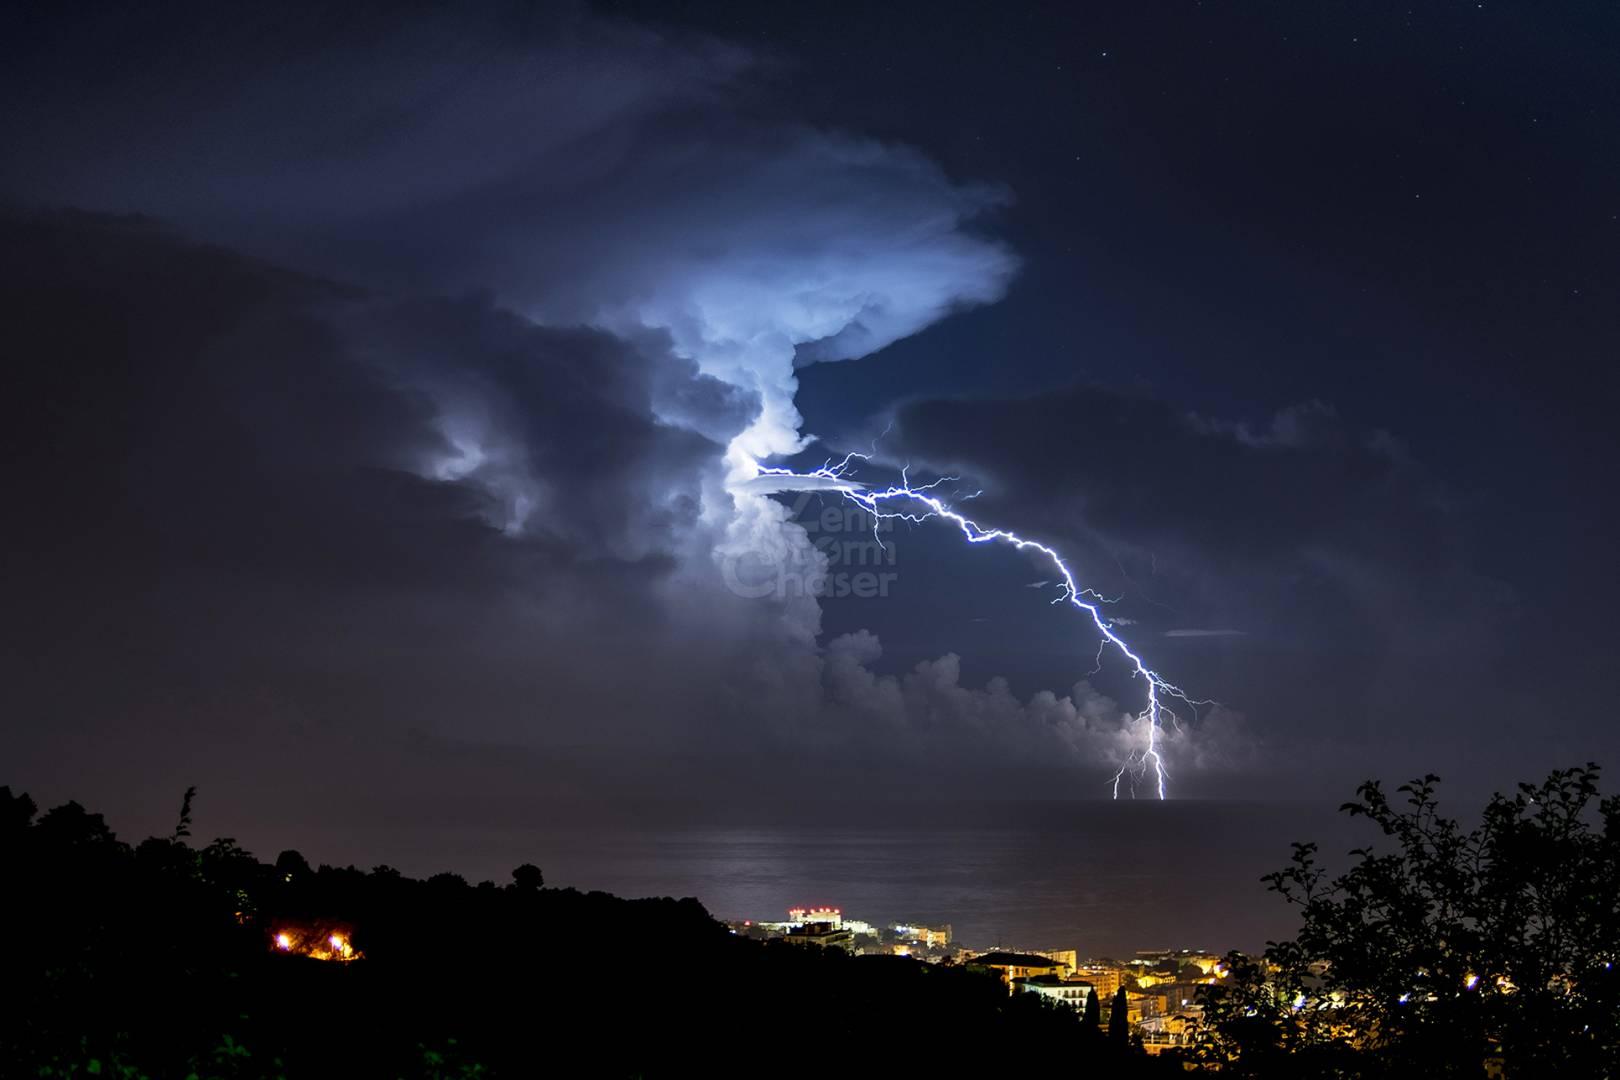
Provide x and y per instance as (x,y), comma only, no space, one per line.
(1442,950)
(528,878)
(291,866)
(1091,1019)
(1119,1018)
(16,812)
(182,827)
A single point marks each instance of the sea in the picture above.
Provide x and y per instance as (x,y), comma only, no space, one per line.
(1104,878)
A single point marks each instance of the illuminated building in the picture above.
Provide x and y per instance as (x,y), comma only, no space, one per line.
(1205,962)
(1174,962)
(801,918)
(934,937)
(829,916)
(1140,1007)
(1012,966)
(1170,998)
(824,935)
(1107,978)
(1174,1032)
(1065,957)
(1070,992)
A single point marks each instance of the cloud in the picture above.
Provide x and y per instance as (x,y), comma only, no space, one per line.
(465,401)
(436,356)
(575,170)
(585,171)
(1237,527)
(926,712)
(1193,633)
(270,487)
(509,548)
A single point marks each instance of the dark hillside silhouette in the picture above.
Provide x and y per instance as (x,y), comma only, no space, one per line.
(162,959)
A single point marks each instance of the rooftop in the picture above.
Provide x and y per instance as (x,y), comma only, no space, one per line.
(1015,959)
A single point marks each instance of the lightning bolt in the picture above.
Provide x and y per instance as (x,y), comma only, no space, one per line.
(915,504)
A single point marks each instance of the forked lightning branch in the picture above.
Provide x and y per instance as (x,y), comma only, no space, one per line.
(914,504)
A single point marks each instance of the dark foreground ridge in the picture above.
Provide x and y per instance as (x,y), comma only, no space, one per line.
(165,959)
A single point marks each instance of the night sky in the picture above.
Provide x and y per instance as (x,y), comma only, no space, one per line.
(372,372)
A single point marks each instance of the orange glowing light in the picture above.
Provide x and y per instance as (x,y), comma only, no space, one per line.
(315,942)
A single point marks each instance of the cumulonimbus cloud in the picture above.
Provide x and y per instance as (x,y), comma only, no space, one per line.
(642,269)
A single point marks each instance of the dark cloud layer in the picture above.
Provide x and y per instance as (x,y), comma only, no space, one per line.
(212,408)
(385,505)
(386,381)
(293,523)
(583,170)
(1312,575)
(1234,523)
(222,460)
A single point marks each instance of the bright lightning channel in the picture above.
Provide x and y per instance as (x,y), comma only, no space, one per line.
(840,478)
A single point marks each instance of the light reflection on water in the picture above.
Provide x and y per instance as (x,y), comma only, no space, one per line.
(1103,878)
